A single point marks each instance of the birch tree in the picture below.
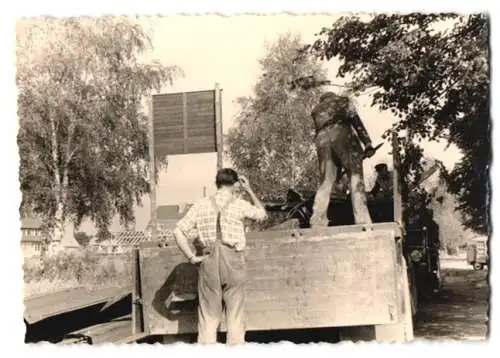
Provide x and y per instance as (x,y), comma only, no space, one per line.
(83,138)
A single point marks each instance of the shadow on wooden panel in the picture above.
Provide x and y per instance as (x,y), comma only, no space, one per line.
(178,295)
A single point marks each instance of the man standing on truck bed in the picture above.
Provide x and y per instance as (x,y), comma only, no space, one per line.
(339,131)
(383,183)
(218,223)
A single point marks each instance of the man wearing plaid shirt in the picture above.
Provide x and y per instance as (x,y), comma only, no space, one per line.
(218,222)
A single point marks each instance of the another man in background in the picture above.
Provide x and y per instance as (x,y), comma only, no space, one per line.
(218,223)
(383,183)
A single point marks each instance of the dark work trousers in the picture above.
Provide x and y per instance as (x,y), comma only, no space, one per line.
(222,277)
(337,147)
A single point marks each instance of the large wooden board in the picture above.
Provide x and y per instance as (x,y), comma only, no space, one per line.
(184,123)
(301,279)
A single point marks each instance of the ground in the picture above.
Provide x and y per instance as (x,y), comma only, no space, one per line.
(460,310)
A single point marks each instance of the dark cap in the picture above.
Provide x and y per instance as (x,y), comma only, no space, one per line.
(380,167)
(327,95)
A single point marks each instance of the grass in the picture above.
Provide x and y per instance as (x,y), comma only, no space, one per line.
(74,269)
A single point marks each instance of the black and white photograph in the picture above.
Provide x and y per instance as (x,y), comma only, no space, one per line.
(308,178)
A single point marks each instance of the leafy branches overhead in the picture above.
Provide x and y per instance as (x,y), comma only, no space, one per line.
(432,72)
(271,142)
(83,137)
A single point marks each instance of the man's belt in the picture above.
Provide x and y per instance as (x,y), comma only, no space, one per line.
(208,248)
(329,123)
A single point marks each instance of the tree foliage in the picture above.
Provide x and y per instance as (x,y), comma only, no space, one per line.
(83,138)
(432,72)
(272,140)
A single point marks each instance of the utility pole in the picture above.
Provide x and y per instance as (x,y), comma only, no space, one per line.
(218,125)
(152,171)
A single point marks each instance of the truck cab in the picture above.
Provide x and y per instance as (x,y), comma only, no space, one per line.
(477,252)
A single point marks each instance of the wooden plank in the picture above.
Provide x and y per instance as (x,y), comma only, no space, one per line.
(167,99)
(164,150)
(276,319)
(196,125)
(114,331)
(55,296)
(201,134)
(115,300)
(337,281)
(194,99)
(168,128)
(202,113)
(164,143)
(42,307)
(105,332)
(207,95)
(167,120)
(169,112)
(197,147)
(132,338)
(164,117)
(199,122)
(201,140)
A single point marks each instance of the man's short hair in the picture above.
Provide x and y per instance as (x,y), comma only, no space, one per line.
(226,177)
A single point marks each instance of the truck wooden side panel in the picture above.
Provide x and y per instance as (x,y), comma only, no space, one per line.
(338,276)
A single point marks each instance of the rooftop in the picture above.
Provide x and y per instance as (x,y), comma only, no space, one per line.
(31,223)
(168,215)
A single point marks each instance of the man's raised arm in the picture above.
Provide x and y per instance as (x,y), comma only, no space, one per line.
(258,211)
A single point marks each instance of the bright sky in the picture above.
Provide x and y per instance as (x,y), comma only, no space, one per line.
(225,50)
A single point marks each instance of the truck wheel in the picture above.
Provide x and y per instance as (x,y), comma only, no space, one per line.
(477,266)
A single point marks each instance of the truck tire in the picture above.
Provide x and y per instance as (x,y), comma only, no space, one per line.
(478,266)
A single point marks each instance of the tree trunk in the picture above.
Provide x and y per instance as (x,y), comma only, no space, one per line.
(60,187)
(58,223)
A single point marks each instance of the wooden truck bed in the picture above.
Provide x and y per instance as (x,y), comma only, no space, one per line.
(331,277)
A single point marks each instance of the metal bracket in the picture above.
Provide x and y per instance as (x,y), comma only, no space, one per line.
(391,312)
(296,235)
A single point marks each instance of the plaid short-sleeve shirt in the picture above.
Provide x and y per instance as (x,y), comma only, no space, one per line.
(201,220)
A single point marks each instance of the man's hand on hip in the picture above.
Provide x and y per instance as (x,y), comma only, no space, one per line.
(197,259)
